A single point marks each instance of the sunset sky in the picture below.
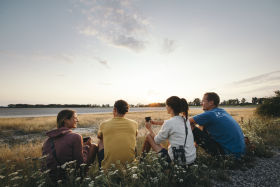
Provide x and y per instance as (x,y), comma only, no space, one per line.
(143,51)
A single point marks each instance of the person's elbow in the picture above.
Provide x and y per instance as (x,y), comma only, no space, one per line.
(192,121)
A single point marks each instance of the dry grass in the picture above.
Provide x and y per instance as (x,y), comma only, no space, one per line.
(19,152)
(39,124)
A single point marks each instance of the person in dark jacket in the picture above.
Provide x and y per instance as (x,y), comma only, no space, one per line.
(63,145)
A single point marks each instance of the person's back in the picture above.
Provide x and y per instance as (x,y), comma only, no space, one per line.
(224,129)
(63,145)
(119,139)
(226,136)
(174,130)
(67,145)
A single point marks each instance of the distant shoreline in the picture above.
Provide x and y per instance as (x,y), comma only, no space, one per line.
(221,106)
(47,112)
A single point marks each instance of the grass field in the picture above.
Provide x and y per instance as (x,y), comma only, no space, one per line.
(22,155)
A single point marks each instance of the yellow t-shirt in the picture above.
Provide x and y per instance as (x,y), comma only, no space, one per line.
(119,139)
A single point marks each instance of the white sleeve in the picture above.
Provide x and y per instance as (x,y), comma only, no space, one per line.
(163,133)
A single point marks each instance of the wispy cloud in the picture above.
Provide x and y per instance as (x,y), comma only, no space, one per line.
(38,56)
(116,22)
(261,78)
(259,86)
(168,46)
(102,62)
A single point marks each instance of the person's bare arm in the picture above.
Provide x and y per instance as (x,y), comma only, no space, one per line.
(156,122)
(149,128)
(194,124)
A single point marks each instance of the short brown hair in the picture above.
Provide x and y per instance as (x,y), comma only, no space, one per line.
(121,106)
(62,115)
(212,96)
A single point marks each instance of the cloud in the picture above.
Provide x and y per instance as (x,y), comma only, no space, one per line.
(261,78)
(258,86)
(38,56)
(168,46)
(102,62)
(116,22)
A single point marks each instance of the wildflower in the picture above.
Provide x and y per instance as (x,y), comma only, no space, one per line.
(13,174)
(47,171)
(135,176)
(42,184)
(181,180)
(2,177)
(78,179)
(16,178)
(72,162)
(71,170)
(98,177)
(134,168)
(91,184)
(64,165)
(154,180)
(204,166)
(59,181)
(42,158)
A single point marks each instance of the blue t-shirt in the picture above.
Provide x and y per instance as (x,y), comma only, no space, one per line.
(223,129)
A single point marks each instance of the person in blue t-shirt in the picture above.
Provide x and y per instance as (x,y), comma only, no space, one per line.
(217,132)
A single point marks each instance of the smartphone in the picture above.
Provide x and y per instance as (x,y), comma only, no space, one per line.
(86,139)
(148,119)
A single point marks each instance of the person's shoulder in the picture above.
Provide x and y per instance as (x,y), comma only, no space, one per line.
(131,121)
(108,121)
(72,136)
(75,135)
(168,122)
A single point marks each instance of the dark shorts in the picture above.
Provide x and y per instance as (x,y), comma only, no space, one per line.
(203,139)
(100,157)
(164,154)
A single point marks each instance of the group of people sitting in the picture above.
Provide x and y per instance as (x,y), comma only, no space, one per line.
(214,130)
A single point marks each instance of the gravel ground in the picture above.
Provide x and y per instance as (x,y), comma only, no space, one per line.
(266,172)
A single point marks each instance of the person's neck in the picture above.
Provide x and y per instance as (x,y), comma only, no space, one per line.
(118,115)
(211,108)
(173,115)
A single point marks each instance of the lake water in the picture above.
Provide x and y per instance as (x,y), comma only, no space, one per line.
(35,112)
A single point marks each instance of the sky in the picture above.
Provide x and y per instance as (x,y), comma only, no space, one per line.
(143,51)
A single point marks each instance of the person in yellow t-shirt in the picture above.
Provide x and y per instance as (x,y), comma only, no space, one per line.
(117,138)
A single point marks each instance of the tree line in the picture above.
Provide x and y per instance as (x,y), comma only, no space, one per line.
(195,102)
(58,106)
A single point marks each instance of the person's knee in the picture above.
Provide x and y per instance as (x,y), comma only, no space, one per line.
(94,146)
(100,145)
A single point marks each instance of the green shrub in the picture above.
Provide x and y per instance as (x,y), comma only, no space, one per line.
(270,107)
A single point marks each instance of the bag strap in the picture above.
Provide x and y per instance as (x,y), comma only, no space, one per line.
(186,130)
(53,150)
